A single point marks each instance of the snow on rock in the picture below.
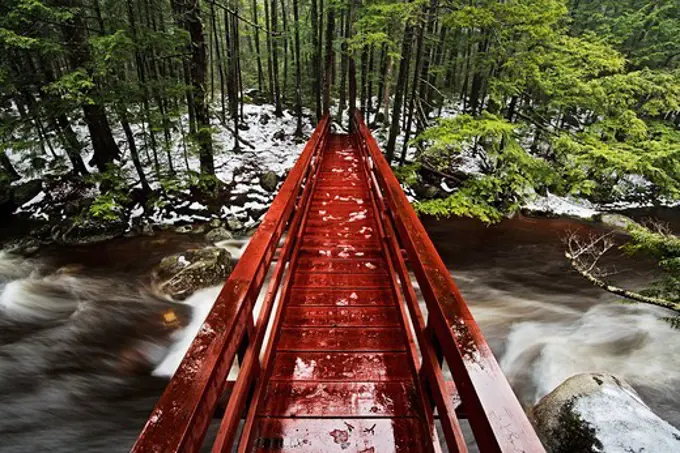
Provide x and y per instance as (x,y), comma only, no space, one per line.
(561,206)
(601,412)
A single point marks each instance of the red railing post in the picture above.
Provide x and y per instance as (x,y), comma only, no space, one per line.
(498,421)
(182,415)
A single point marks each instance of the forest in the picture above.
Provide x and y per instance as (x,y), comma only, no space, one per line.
(480,105)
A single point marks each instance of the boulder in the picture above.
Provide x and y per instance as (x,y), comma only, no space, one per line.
(88,231)
(215,223)
(181,274)
(616,221)
(269,181)
(600,413)
(184,229)
(264,119)
(25,246)
(234,224)
(25,192)
(426,191)
(147,229)
(218,234)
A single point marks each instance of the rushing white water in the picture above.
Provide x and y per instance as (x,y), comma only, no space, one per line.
(200,302)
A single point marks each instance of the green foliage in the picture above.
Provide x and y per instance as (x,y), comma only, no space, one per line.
(509,171)
(664,247)
(408,174)
(106,208)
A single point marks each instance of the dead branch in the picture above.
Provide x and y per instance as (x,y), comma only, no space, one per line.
(584,255)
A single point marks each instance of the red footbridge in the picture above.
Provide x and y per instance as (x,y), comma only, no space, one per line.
(339,356)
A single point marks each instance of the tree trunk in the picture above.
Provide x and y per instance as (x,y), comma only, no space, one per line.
(399,91)
(352,95)
(105,148)
(298,71)
(345,26)
(369,89)
(9,168)
(268,36)
(232,72)
(256,35)
(284,22)
(328,73)
(364,84)
(133,152)
(189,14)
(278,111)
(316,63)
(386,94)
(414,87)
(220,63)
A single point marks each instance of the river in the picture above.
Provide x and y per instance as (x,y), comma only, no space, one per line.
(85,349)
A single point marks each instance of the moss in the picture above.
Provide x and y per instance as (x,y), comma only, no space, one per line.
(573,434)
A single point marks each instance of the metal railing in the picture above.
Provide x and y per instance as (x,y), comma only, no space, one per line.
(182,415)
(497,419)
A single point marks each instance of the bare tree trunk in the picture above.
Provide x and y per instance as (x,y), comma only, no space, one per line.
(256,35)
(278,111)
(351,66)
(189,14)
(328,74)
(133,150)
(9,168)
(298,69)
(220,63)
(402,79)
(284,22)
(316,60)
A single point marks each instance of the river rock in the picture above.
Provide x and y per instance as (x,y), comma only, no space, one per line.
(269,181)
(234,224)
(23,193)
(25,246)
(184,229)
(181,274)
(215,223)
(600,413)
(218,234)
(88,231)
(616,221)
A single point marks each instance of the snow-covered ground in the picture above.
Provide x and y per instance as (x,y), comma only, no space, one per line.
(268,144)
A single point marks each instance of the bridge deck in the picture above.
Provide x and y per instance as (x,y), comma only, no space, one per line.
(351,364)
(340,376)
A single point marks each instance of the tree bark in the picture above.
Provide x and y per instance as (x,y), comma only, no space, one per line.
(256,35)
(75,32)
(637,297)
(9,168)
(328,73)
(352,95)
(399,91)
(189,15)
(278,111)
(316,63)
(133,152)
(298,72)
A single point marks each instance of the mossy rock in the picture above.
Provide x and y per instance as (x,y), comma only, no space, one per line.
(181,274)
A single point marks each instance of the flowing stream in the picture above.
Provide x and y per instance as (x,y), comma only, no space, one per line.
(86,348)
